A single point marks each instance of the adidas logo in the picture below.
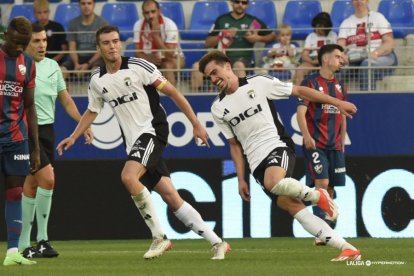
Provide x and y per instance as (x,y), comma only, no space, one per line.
(104,91)
(136,154)
(273,161)
(226,111)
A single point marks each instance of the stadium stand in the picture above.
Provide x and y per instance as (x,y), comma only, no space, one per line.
(299,15)
(202,18)
(193,51)
(264,10)
(340,10)
(174,11)
(123,15)
(130,47)
(23,10)
(400,13)
(66,12)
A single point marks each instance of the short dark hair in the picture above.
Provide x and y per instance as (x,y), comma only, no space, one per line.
(37,28)
(327,49)
(105,30)
(323,19)
(218,56)
(21,25)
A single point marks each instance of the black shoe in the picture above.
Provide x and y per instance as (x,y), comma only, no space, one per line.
(46,249)
(31,252)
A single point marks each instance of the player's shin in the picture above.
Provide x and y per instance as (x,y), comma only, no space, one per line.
(193,220)
(145,205)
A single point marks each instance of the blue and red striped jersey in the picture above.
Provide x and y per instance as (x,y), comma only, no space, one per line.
(16,74)
(324,121)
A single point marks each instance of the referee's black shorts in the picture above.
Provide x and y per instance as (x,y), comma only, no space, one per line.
(47,145)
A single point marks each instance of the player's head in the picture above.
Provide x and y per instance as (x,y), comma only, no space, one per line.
(330,56)
(239,6)
(216,66)
(322,23)
(108,43)
(151,10)
(17,36)
(41,11)
(38,43)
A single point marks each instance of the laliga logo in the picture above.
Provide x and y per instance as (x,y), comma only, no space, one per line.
(106,130)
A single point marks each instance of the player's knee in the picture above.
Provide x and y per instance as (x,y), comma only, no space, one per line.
(14,194)
(287,186)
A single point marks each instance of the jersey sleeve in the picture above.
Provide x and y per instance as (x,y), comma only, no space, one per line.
(222,125)
(96,101)
(384,27)
(171,32)
(279,89)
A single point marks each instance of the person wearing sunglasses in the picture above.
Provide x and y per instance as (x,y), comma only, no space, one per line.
(235,33)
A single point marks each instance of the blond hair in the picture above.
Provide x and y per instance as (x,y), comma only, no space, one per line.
(285,28)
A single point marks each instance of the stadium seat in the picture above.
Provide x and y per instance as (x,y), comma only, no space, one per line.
(122,15)
(174,11)
(6,2)
(299,15)
(77,1)
(25,10)
(265,11)
(340,10)
(400,13)
(129,47)
(65,13)
(202,18)
(191,56)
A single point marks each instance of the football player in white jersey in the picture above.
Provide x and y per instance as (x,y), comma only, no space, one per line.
(129,86)
(247,118)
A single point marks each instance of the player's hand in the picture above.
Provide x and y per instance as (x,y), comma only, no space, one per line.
(309,143)
(65,144)
(244,191)
(88,134)
(200,133)
(347,108)
(34,161)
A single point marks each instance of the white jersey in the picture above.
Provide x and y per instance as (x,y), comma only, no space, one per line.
(314,42)
(132,95)
(354,30)
(249,115)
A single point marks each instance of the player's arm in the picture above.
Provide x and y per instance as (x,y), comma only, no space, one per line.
(236,153)
(310,94)
(87,118)
(308,141)
(72,110)
(198,130)
(31,115)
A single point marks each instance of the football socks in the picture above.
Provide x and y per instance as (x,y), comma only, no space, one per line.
(28,212)
(43,205)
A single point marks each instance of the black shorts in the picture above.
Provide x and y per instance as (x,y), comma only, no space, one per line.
(47,144)
(147,150)
(280,157)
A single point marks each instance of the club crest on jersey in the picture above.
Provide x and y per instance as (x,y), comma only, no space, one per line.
(321,89)
(251,93)
(338,88)
(318,168)
(128,81)
(22,69)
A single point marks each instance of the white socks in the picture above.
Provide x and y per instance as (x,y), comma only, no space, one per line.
(193,220)
(293,188)
(144,203)
(320,229)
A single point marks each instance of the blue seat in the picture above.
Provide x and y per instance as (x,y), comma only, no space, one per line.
(65,13)
(129,48)
(265,11)
(122,15)
(193,51)
(6,1)
(202,18)
(25,10)
(299,15)
(174,11)
(400,13)
(341,10)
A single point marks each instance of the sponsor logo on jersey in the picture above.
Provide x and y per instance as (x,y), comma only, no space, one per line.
(251,111)
(340,170)
(331,109)
(123,99)
(10,88)
(22,69)
(21,157)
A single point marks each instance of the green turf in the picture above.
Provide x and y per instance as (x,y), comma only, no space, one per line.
(276,256)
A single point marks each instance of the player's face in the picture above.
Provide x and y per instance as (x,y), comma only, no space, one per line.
(151,12)
(336,60)
(37,46)
(42,15)
(87,7)
(15,43)
(239,6)
(110,47)
(219,74)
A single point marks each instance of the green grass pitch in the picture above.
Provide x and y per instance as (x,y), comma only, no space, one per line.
(273,256)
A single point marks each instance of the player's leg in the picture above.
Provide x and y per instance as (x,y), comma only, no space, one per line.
(15,171)
(190,216)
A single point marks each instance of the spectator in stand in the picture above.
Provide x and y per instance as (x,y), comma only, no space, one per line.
(56,37)
(362,48)
(81,37)
(282,54)
(156,39)
(2,30)
(234,30)
(321,35)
